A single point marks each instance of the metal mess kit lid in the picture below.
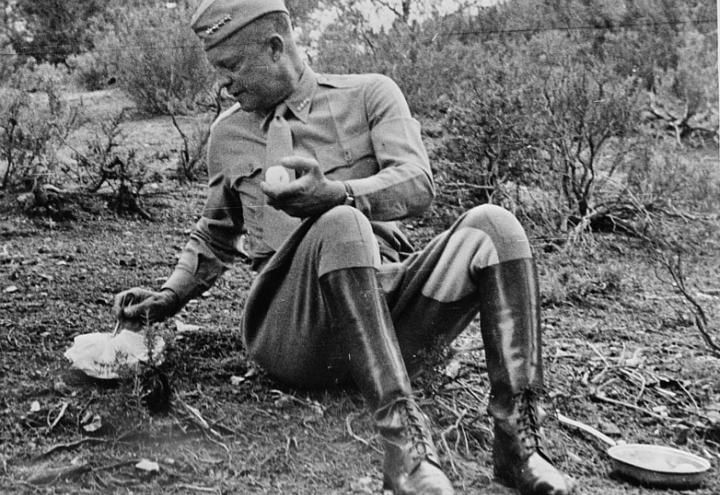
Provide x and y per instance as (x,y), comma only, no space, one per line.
(103,354)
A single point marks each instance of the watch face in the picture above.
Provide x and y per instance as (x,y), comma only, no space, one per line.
(349,198)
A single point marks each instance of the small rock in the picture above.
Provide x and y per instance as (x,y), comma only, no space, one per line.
(610,428)
(148,466)
(94,426)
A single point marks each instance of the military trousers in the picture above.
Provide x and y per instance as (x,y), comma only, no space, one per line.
(432,294)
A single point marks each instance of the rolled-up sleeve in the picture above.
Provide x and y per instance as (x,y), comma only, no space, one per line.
(403,186)
(211,247)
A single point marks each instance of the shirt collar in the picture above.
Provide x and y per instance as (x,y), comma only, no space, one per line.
(300,101)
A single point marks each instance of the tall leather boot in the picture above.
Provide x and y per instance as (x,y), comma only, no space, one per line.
(360,313)
(510,325)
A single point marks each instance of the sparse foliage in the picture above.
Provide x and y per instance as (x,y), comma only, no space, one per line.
(673,264)
(54,29)
(160,62)
(192,156)
(31,134)
(108,163)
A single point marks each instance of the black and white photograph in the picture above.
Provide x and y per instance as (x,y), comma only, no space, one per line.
(397,247)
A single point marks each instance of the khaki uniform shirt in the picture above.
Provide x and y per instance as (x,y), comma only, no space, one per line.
(359,129)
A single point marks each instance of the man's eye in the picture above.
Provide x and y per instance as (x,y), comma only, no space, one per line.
(231,66)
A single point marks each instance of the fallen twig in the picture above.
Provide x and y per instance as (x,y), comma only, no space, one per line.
(604,398)
(348,427)
(447,431)
(632,375)
(53,423)
(674,267)
(54,475)
(205,489)
(198,419)
(70,445)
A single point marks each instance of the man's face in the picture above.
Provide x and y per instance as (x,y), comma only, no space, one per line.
(250,71)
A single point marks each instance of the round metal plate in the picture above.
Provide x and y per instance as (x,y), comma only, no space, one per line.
(659,459)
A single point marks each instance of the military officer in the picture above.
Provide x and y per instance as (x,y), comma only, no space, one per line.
(340,294)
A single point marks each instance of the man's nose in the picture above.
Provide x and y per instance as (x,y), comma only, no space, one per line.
(222,83)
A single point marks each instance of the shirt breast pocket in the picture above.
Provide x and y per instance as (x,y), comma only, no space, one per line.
(345,158)
(246,183)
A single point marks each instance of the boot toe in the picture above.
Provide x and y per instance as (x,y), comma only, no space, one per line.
(426,479)
(542,478)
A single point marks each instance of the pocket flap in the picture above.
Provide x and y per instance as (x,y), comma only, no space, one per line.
(345,152)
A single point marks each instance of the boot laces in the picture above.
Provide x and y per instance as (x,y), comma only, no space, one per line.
(417,430)
(528,422)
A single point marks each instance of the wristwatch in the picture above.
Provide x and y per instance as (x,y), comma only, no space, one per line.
(349,196)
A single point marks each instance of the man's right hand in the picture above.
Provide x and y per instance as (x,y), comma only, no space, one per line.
(136,307)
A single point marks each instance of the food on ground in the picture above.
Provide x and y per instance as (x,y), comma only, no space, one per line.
(104,354)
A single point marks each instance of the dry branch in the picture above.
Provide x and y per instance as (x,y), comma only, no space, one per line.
(675,268)
(348,428)
(69,445)
(678,122)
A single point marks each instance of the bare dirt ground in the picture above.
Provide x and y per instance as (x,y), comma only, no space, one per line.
(621,354)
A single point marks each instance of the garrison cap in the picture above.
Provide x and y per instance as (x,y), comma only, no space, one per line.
(215,20)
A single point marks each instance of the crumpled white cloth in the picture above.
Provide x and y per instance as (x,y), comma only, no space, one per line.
(101,354)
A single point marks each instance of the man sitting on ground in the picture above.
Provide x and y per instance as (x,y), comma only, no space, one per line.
(341,295)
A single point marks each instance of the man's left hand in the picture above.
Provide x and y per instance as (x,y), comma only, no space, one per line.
(309,195)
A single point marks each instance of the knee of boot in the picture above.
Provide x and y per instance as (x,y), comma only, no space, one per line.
(502,227)
(343,223)
(346,240)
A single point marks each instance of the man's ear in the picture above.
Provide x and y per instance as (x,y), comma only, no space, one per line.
(277,46)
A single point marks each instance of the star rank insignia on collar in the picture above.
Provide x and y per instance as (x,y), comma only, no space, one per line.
(213,29)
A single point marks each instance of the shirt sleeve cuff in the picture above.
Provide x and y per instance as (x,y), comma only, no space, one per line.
(184,285)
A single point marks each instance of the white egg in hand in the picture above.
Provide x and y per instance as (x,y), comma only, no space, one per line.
(277,175)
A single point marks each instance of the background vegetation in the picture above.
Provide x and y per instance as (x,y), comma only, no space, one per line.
(554,109)
(595,121)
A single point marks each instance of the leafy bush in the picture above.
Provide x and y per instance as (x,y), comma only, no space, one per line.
(192,157)
(56,28)
(157,59)
(685,97)
(109,165)
(30,135)
(663,174)
(8,60)
(33,77)
(431,71)
(542,116)
(93,70)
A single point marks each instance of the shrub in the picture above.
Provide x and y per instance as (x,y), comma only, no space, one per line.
(685,97)
(431,71)
(159,61)
(192,157)
(8,59)
(33,77)
(541,117)
(93,70)
(664,175)
(108,164)
(30,135)
(56,28)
